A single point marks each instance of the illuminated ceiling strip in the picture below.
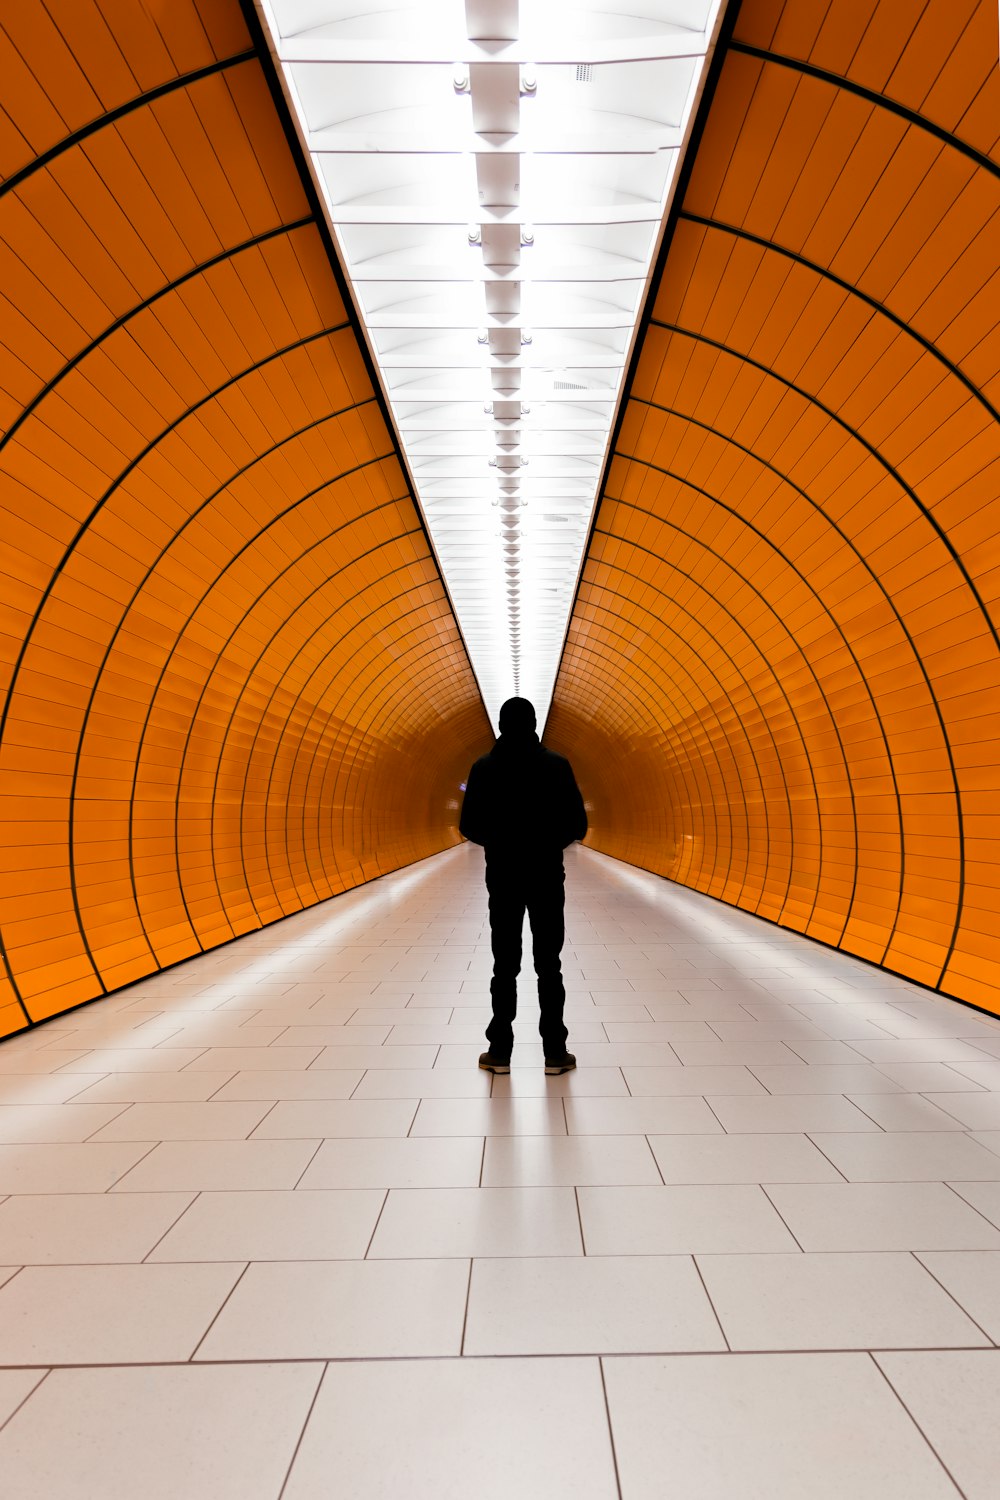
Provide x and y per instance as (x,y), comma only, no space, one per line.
(497,177)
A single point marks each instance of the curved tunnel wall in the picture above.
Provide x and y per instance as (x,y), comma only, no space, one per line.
(781,677)
(233,683)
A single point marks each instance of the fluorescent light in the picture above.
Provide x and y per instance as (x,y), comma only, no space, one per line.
(497,176)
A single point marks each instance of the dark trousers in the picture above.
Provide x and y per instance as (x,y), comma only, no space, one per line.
(540,890)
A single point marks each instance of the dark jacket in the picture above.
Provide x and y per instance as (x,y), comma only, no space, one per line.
(522,801)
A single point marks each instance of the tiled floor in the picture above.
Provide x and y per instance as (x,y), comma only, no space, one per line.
(266,1230)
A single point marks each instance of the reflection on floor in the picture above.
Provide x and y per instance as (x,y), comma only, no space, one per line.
(268,1230)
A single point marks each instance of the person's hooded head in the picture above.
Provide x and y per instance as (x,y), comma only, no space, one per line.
(517,722)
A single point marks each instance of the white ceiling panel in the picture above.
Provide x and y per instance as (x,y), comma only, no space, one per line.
(497,174)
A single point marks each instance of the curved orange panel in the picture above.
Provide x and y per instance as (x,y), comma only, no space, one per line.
(233,681)
(781,673)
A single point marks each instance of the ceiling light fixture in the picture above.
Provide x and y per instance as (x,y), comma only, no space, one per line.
(498,216)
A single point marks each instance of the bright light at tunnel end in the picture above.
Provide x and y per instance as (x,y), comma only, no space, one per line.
(496,176)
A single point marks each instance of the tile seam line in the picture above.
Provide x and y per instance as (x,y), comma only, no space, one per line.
(611,1430)
(111,117)
(871,96)
(916,1254)
(460,1359)
(141,307)
(913,1419)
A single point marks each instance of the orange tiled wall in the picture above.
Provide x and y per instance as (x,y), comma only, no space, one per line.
(233,684)
(782,680)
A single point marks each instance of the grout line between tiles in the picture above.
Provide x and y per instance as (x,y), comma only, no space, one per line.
(916,1254)
(899,1398)
(781,1216)
(715,1314)
(308,1164)
(465,1315)
(611,1430)
(579,1218)
(216,1315)
(302,1433)
(222,1086)
(145,1259)
(378,1220)
(816,1147)
(46,1371)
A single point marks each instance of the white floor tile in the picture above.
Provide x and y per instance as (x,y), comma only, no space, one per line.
(680,1221)
(707,1428)
(660,1031)
(551,1415)
(985,1073)
(975,1111)
(325,1083)
(343,1310)
(144,1432)
(882,1216)
(624,1054)
(69,1315)
(553,1161)
(374,1057)
(151,1088)
(120,1060)
(973,1279)
(285,1225)
(795,1112)
(684,1080)
(439,1222)
(43,1123)
(219,1165)
(40,1229)
(525,1083)
(817,1078)
(183,1122)
(640,1116)
(833,1301)
(984,1196)
(490,1117)
(904,1112)
(16,1386)
(988,1138)
(938,1078)
(233,1059)
(933,1049)
(914,1156)
(87,1167)
(733,1054)
(954,1397)
(589,1305)
(45,1088)
(824,1054)
(786,1157)
(411,1163)
(308,1118)
(424,1083)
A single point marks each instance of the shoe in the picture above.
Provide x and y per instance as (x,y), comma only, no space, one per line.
(494,1064)
(562,1064)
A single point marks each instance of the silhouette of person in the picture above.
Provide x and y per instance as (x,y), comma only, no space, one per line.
(523,805)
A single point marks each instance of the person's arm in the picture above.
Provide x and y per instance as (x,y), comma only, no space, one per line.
(574,811)
(472,821)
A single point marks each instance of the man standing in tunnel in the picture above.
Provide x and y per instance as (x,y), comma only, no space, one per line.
(523,805)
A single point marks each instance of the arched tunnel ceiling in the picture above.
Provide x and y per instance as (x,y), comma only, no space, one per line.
(233,683)
(781,674)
